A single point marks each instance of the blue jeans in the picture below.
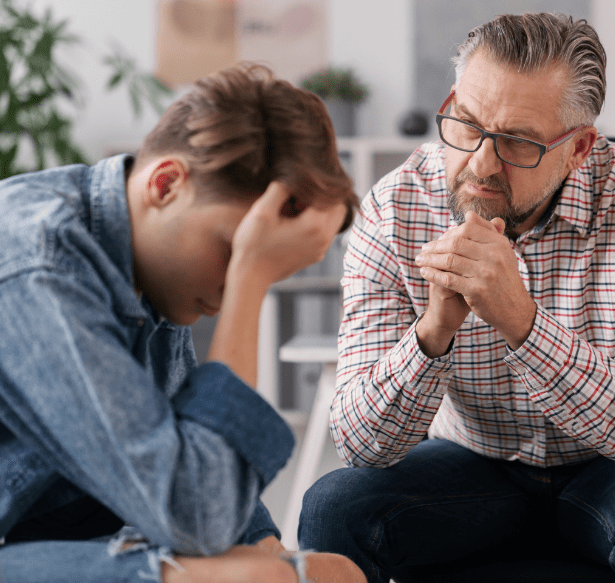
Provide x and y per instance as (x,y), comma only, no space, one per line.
(445,503)
(123,558)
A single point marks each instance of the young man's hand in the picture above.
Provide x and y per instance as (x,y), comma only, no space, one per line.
(271,246)
(267,246)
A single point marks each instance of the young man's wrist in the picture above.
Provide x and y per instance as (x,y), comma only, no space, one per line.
(247,278)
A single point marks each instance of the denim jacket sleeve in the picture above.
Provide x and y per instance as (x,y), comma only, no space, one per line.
(186,471)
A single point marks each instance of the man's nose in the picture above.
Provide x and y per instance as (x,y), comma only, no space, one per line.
(485,162)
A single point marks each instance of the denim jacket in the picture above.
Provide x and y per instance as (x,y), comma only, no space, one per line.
(99,394)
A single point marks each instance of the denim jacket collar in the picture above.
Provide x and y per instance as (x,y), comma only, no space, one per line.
(109,217)
(109,222)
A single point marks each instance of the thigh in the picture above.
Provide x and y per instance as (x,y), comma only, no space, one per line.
(586,511)
(442,502)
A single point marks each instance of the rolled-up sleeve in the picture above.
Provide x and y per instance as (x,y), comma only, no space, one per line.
(187,472)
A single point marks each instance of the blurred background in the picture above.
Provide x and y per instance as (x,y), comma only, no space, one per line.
(400,49)
(397,52)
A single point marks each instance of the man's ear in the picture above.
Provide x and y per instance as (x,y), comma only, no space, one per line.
(165,180)
(583,143)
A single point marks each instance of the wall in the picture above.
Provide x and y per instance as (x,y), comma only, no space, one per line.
(377,39)
(602,13)
(106,118)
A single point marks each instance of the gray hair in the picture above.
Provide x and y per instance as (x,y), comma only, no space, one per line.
(533,42)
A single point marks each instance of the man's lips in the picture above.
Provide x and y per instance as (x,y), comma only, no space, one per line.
(484,191)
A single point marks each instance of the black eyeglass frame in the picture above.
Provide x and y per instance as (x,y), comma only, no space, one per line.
(543,148)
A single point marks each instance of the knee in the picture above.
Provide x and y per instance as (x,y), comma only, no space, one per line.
(237,565)
(327,498)
(327,510)
(586,531)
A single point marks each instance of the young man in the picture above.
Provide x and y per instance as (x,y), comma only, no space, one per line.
(105,418)
(478,310)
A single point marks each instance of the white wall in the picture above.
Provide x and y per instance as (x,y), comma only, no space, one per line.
(107,117)
(376,38)
(373,38)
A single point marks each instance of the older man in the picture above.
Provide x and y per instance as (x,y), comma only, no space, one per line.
(478,311)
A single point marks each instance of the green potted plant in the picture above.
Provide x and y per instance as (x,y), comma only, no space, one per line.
(341,91)
(39,98)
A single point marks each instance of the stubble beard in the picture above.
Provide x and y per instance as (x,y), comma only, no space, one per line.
(459,203)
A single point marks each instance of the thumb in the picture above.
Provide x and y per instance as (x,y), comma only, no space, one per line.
(499,224)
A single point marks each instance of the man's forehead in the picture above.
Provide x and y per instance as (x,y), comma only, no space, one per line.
(493,92)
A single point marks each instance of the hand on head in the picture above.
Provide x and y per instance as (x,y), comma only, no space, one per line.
(276,245)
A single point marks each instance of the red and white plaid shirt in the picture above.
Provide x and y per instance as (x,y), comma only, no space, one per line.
(550,402)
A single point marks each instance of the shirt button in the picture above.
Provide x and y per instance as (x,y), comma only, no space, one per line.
(140,322)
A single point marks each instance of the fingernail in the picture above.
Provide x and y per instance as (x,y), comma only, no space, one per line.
(419,259)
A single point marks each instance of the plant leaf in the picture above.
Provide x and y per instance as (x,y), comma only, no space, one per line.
(115,80)
(135,99)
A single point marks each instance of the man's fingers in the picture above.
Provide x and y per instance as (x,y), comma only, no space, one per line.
(499,224)
(333,216)
(444,279)
(448,262)
(496,223)
(276,194)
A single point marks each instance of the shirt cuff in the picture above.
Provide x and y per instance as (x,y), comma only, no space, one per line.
(415,366)
(545,352)
(217,399)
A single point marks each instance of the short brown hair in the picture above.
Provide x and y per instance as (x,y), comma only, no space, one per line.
(241,128)
(532,42)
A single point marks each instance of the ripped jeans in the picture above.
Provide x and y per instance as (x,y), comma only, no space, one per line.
(125,557)
(96,561)
(114,561)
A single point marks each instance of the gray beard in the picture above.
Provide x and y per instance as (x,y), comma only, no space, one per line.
(513,215)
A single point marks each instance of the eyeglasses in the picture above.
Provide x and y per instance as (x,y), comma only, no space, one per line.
(513,150)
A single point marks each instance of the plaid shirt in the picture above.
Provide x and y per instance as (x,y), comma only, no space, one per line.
(551,401)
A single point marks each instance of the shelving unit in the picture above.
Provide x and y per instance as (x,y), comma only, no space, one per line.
(371,158)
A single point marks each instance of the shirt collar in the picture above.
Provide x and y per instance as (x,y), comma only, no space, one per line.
(110,227)
(110,220)
(574,201)
(575,204)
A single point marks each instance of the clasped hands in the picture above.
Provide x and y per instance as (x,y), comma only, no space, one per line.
(472,268)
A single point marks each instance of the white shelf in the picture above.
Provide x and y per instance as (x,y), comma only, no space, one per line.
(363,151)
(320,348)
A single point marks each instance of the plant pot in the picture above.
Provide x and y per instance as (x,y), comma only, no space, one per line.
(342,115)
